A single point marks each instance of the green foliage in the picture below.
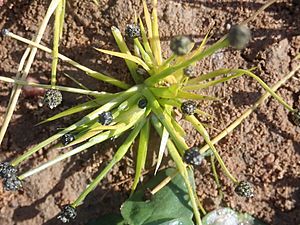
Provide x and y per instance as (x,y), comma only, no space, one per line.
(168,206)
(165,87)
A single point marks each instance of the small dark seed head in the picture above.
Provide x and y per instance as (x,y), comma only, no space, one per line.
(132,31)
(189,71)
(244,189)
(68,213)
(148,195)
(4,32)
(192,156)
(12,184)
(294,117)
(239,36)
(188,107)
(105,118)
(7,170)
(180,45)
(67,139)
(52,98)
(142,103)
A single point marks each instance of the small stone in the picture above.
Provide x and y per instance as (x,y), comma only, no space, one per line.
(244,189)
(188,107)
(105,118)
(7,170)
(180,45)
(132,31)
(52,98)
(12,184)
(189,71)
(142,103)
(67,139)
(68,213)
(192,156)
(239,36)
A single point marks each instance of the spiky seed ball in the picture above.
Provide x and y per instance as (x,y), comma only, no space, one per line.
(7,170)
(188,107)
(180,45)
(68,213)
(67,139)
(12,183)
(132,31)
(244,189)
(295,117)
(105,118)
(239,36)
(189,71)
(52,98)
(192,156)
(142,103)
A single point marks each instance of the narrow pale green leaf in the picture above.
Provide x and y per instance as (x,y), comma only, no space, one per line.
(155,39)
(141,154)
(124,49)
(188,95)
(126,56)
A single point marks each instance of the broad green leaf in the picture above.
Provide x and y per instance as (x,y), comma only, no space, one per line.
(109,219)
(170,205)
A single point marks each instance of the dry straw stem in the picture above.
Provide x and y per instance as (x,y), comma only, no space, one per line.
(17,89)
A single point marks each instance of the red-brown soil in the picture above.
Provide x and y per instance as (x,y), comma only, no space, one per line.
(264,149)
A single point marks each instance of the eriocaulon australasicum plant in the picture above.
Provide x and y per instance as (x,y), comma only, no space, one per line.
(161,86)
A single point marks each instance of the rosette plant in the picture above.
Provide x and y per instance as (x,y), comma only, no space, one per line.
(162,86)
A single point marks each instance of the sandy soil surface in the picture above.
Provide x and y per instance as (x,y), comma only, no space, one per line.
(264,149)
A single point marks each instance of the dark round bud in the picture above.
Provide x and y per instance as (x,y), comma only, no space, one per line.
(148,195)
(68,213)
(294,117)
(244,189)
(132,31)
(192,156)
(105,118)
(12,183)
(142,103)
(239,36)
(188,107)
(4,32)
(67,139)
(180,45)
(189,71)
(7,170)
(52,98)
